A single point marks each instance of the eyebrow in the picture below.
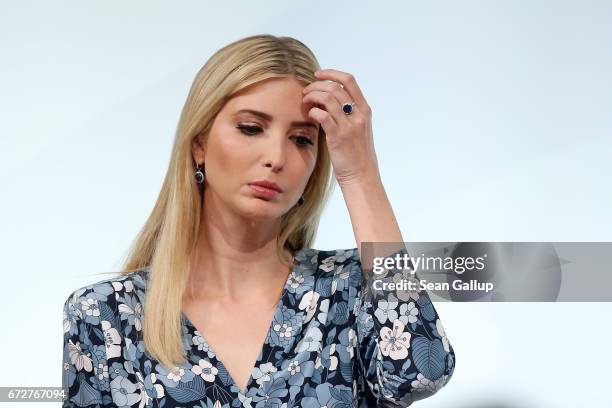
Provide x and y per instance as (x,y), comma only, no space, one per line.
(268,117)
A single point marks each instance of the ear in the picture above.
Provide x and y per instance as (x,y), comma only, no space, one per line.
(197,151)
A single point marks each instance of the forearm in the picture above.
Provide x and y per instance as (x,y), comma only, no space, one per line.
(404,352)
(370,211)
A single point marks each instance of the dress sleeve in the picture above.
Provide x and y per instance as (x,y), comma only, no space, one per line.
(403,351)
(83,355)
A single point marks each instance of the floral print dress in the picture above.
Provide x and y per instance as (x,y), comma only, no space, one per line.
(327,346)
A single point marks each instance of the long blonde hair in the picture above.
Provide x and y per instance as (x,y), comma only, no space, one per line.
(169,235)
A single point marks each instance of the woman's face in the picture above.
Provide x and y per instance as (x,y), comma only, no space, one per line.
(244,147)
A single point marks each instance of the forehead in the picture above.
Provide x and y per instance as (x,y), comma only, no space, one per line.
(280,98)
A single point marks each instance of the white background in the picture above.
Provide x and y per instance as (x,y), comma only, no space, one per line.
(491,119)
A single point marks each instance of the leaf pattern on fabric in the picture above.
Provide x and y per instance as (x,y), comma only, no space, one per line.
(328,345)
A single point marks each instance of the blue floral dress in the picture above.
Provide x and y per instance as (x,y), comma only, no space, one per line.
(327,346)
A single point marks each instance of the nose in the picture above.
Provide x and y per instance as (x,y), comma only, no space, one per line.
(275,153)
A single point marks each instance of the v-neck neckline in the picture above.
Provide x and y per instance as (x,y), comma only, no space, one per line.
(277,308)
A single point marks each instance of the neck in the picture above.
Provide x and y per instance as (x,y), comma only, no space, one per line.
(235,257)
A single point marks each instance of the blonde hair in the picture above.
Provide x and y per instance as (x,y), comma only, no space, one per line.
(168,237)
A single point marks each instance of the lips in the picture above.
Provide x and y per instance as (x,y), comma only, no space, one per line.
(267,184)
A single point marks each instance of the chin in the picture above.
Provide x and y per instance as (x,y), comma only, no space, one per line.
(261,209)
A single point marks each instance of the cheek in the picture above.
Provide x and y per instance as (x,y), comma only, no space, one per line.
(226,147)
(303,168)
(310,161)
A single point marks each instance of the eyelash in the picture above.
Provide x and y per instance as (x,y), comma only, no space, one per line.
(246,129)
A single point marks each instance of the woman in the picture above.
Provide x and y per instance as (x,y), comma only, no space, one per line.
(221,286)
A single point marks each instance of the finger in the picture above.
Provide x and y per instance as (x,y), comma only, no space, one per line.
(329,86)
(330,102)
(347,80)
(332,87)
(324,118)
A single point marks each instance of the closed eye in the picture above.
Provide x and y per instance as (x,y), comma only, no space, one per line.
(303,141)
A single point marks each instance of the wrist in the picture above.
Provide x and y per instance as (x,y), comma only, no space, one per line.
(362,180)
